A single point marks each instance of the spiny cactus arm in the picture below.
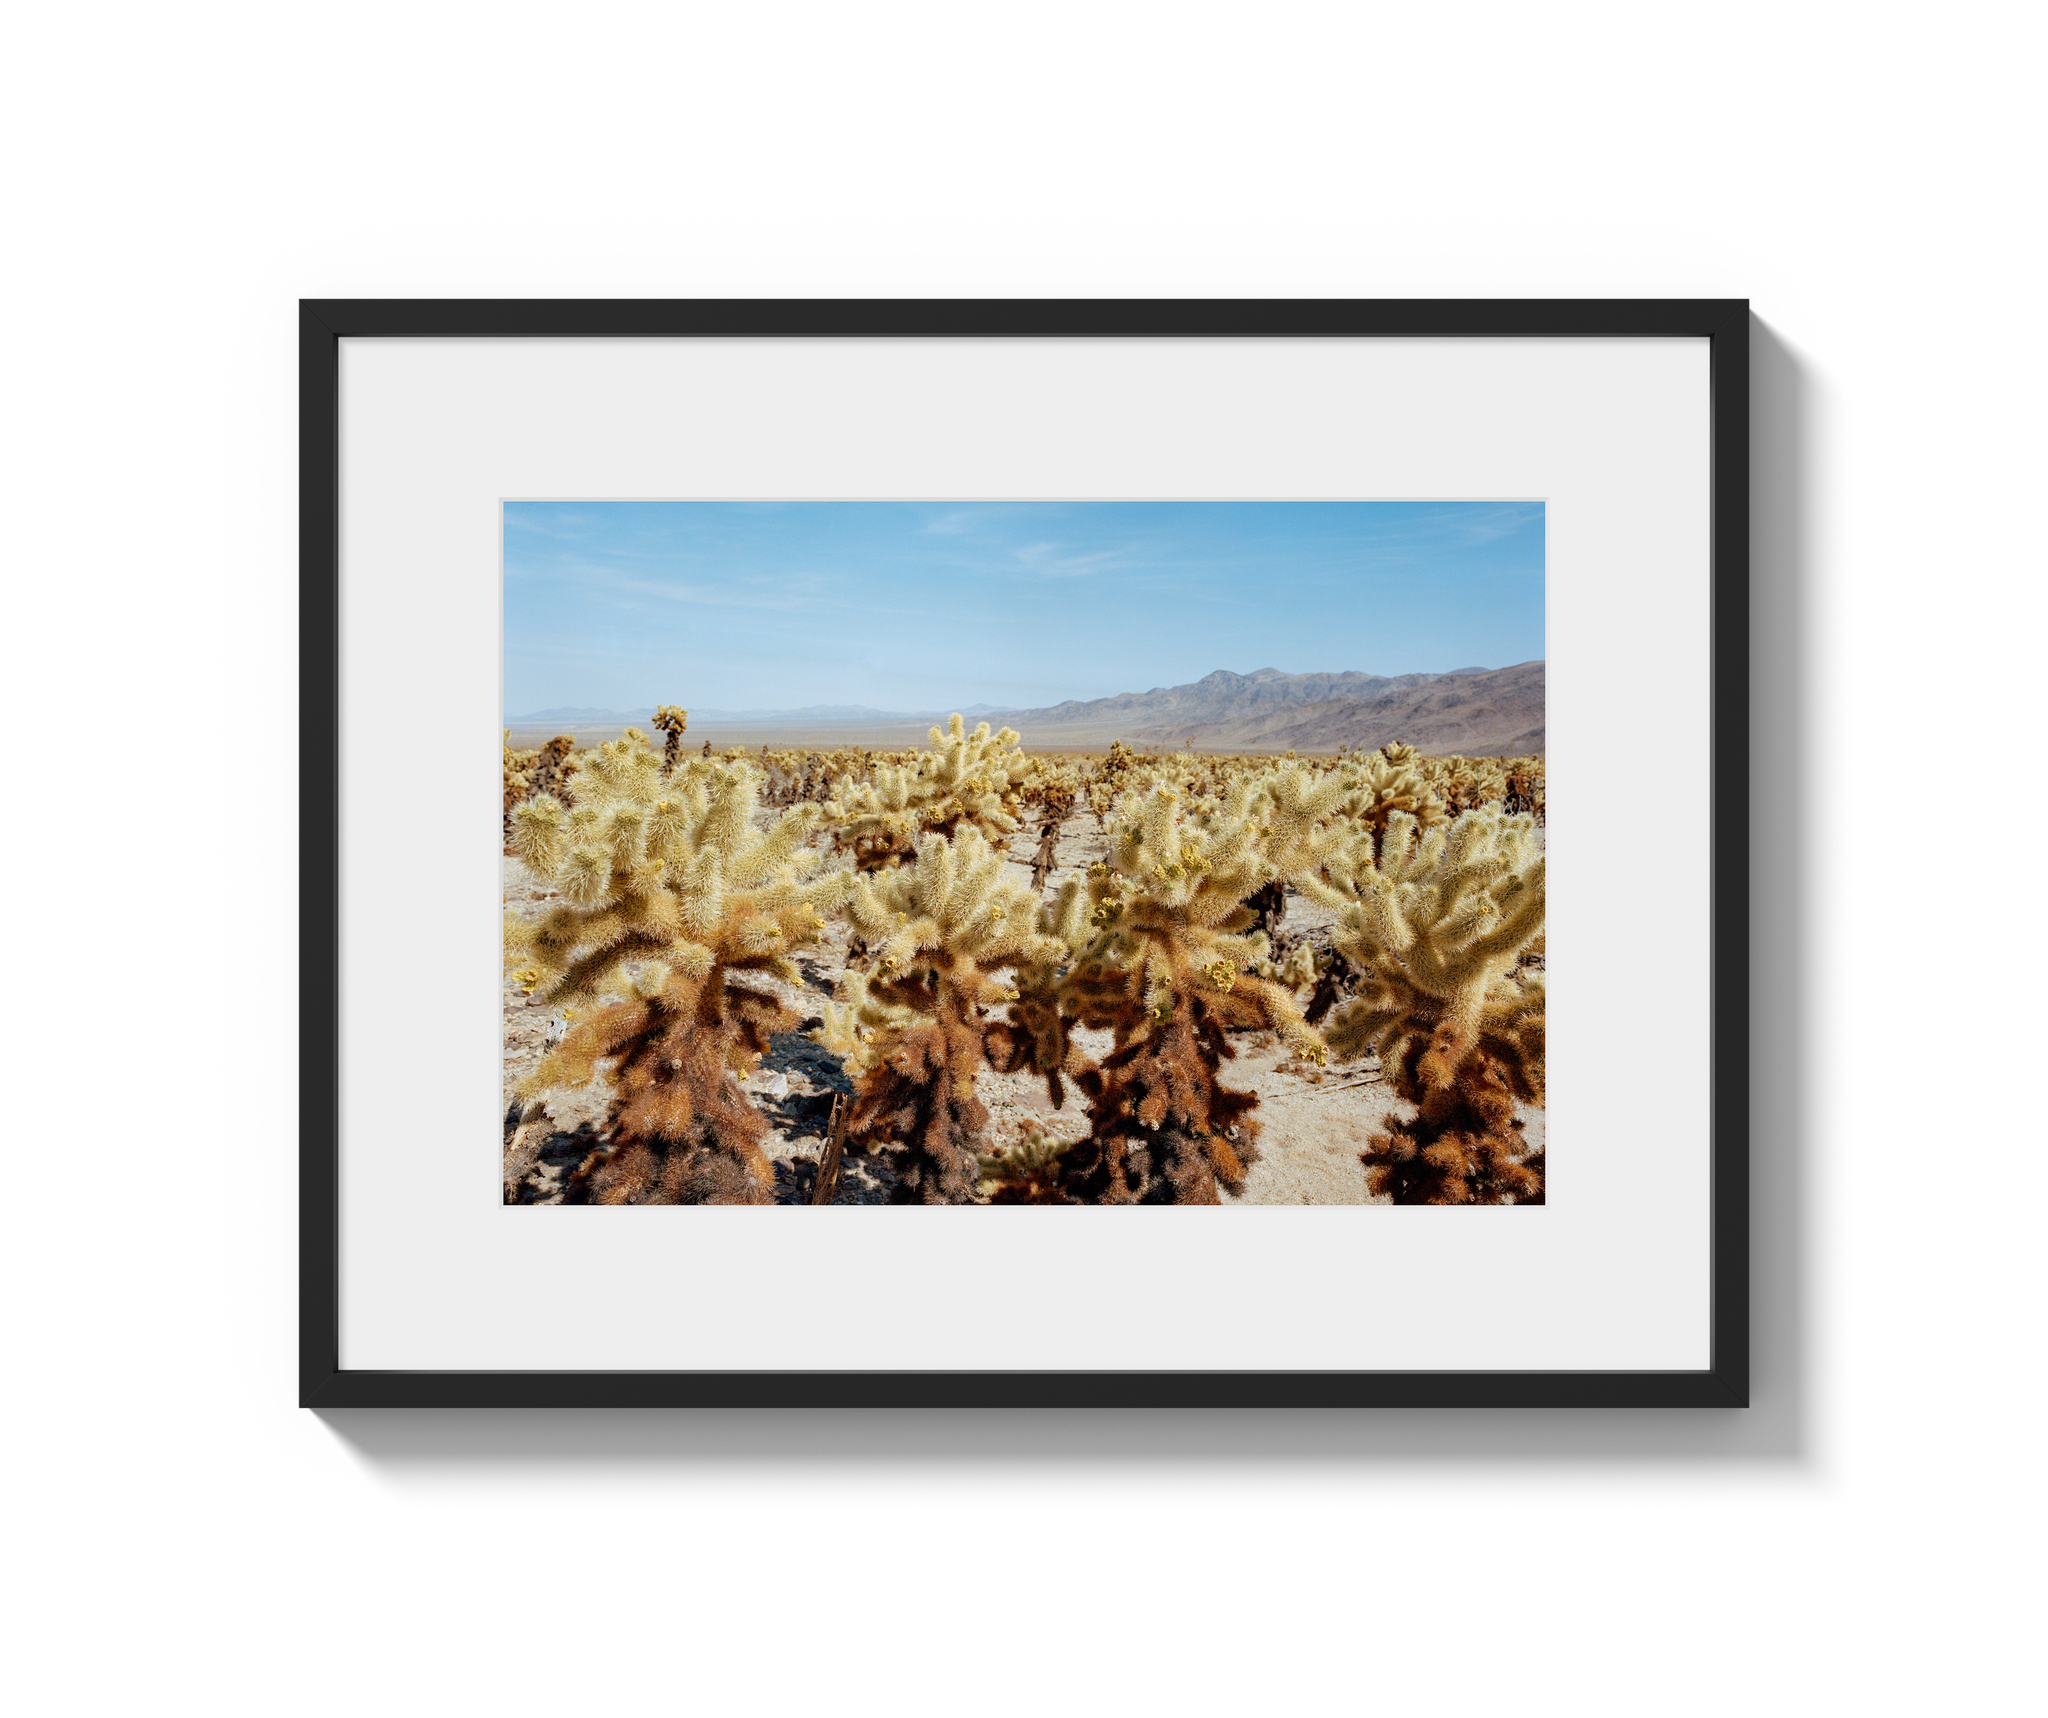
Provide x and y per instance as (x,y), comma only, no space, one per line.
(623,830)
(929,891)
(1517,919)
(804,906)
(1299,810)
(700,892)
(1410,850)
(1027,1173)
(1337,889)
(858,1026)
(691,788)
(841,1034)
(1036,1032)
(892,790)
(539,834)
(1065,917)
(903,944)
(872,914)
(780,845)
(585,874)
(584,980)
(1106,979)
(763,1014)
(1516,1005)
(750,938)
(1230,996)
(622,769)
(1351,867)
(1296,971)
(731,796)
(668,828)
(598,1035)
(1239,918)
(1375,1022)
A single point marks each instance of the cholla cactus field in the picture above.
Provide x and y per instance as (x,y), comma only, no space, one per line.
(1111,977)
(964,781)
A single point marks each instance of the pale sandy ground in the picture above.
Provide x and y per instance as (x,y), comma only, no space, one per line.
(1314,1122)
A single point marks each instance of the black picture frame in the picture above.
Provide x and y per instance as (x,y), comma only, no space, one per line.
(325,323)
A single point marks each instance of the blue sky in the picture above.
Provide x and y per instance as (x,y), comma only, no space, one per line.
(942,605)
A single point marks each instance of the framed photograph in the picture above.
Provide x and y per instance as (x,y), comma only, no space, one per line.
(1022,868)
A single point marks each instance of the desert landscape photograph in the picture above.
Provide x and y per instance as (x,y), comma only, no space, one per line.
(1052,853)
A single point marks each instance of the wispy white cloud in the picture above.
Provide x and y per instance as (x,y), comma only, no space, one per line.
(799,594)
(1052,561)
(1467,525)
(978,516)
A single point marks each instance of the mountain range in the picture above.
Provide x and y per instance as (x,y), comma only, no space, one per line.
(1481,712)
(1477,711)
(810,712)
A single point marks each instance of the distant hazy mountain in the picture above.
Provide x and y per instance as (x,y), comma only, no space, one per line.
(1476,711)
(589,718)
(565,714)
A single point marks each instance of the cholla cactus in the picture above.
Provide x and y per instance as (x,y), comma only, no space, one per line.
(1037,1034)
(1167,972)
(557,764)
(1292,967)
(1053,789)
(519,764)
(671,719)
(671,895)
(1526,787)
(965,780)
(529,772)
(1332,979)
(1389,782)
(1438,925)
(912,1031)
(1027,1173)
